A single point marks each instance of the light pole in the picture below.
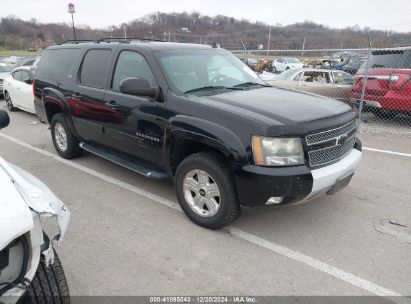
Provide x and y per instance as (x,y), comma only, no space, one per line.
(71,11)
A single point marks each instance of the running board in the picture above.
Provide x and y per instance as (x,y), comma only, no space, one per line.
(133,165)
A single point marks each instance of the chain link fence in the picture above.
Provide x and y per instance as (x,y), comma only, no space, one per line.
(375,80)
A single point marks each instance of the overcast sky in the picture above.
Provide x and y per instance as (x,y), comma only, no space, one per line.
(377,14)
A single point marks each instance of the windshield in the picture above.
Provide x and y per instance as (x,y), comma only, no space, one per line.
(4,68)
(189,70)
(292,60)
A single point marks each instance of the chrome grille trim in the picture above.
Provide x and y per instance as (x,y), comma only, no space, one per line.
(328,135)
(333,144)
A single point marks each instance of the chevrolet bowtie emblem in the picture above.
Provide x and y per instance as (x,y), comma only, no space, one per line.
(341,139)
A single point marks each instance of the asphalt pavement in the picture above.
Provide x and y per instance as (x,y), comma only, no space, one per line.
(127,235)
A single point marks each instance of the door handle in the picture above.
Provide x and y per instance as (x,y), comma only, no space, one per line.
(112,104)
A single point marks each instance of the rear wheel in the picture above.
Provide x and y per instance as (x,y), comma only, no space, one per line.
(206,191)
(9,102)
(49,285)
(65,143)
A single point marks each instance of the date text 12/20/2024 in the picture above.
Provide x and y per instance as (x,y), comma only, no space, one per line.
(203,299)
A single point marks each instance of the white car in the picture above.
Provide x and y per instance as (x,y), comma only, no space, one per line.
(286,63)
(30,269)
(18,90)
(5,72)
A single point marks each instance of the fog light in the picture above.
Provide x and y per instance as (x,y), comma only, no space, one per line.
(275,200)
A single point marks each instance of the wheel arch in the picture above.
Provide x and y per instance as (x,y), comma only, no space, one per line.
(188,135)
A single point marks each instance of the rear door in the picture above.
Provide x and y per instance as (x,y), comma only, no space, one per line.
(87,100)
(137,125)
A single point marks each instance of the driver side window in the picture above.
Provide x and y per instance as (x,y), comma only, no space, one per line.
(131,64)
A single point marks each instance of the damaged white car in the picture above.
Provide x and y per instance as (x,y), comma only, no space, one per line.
(30,270)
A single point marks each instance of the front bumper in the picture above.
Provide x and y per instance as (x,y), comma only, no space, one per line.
(256,185)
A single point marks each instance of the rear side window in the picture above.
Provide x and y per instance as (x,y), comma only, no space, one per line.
(17,75)
(56,64)
(25,76)
(94,68)
(389,59)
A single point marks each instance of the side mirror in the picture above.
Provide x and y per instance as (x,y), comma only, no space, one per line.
(138,87)
(28,81)
(4,119)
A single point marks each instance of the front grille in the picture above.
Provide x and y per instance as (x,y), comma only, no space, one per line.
(329,146)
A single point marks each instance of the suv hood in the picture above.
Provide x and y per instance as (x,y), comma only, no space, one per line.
(21,194)
(277,106)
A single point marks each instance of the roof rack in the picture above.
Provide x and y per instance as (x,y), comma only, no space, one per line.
(111,39)
(77,41)
(128,39)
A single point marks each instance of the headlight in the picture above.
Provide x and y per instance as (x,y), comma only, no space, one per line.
(269,151)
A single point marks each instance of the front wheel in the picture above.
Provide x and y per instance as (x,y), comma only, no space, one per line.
(9,102)
(49,284)
(65,143)
(205,190)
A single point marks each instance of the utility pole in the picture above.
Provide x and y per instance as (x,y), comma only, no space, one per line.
(125,32)
(244,51)
(269,41)
(302,53)
(169,37)
(71,11)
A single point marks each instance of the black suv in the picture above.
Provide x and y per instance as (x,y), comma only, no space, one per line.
(200,116)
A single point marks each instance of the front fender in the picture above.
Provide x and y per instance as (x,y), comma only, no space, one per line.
(215,136)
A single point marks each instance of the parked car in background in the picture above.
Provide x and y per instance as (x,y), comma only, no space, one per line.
(18,90)
(263,65)
(353,66)
(388,87)
(331,83)
(27,61)
(249,61)
(326,63)
(5,72)
(286,63)
(30,269)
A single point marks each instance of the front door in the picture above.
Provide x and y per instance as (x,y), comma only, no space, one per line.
(137,128)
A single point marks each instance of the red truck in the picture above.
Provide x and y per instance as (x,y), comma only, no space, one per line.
(388,88)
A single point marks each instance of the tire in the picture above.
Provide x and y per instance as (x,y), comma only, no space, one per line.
(219,173)
(49,285)
(66,145)
(274,70)
(9,102)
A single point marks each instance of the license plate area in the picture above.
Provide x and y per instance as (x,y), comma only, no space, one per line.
(340,184)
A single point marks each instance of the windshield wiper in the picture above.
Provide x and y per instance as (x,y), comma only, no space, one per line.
(250,83)
(206,88)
